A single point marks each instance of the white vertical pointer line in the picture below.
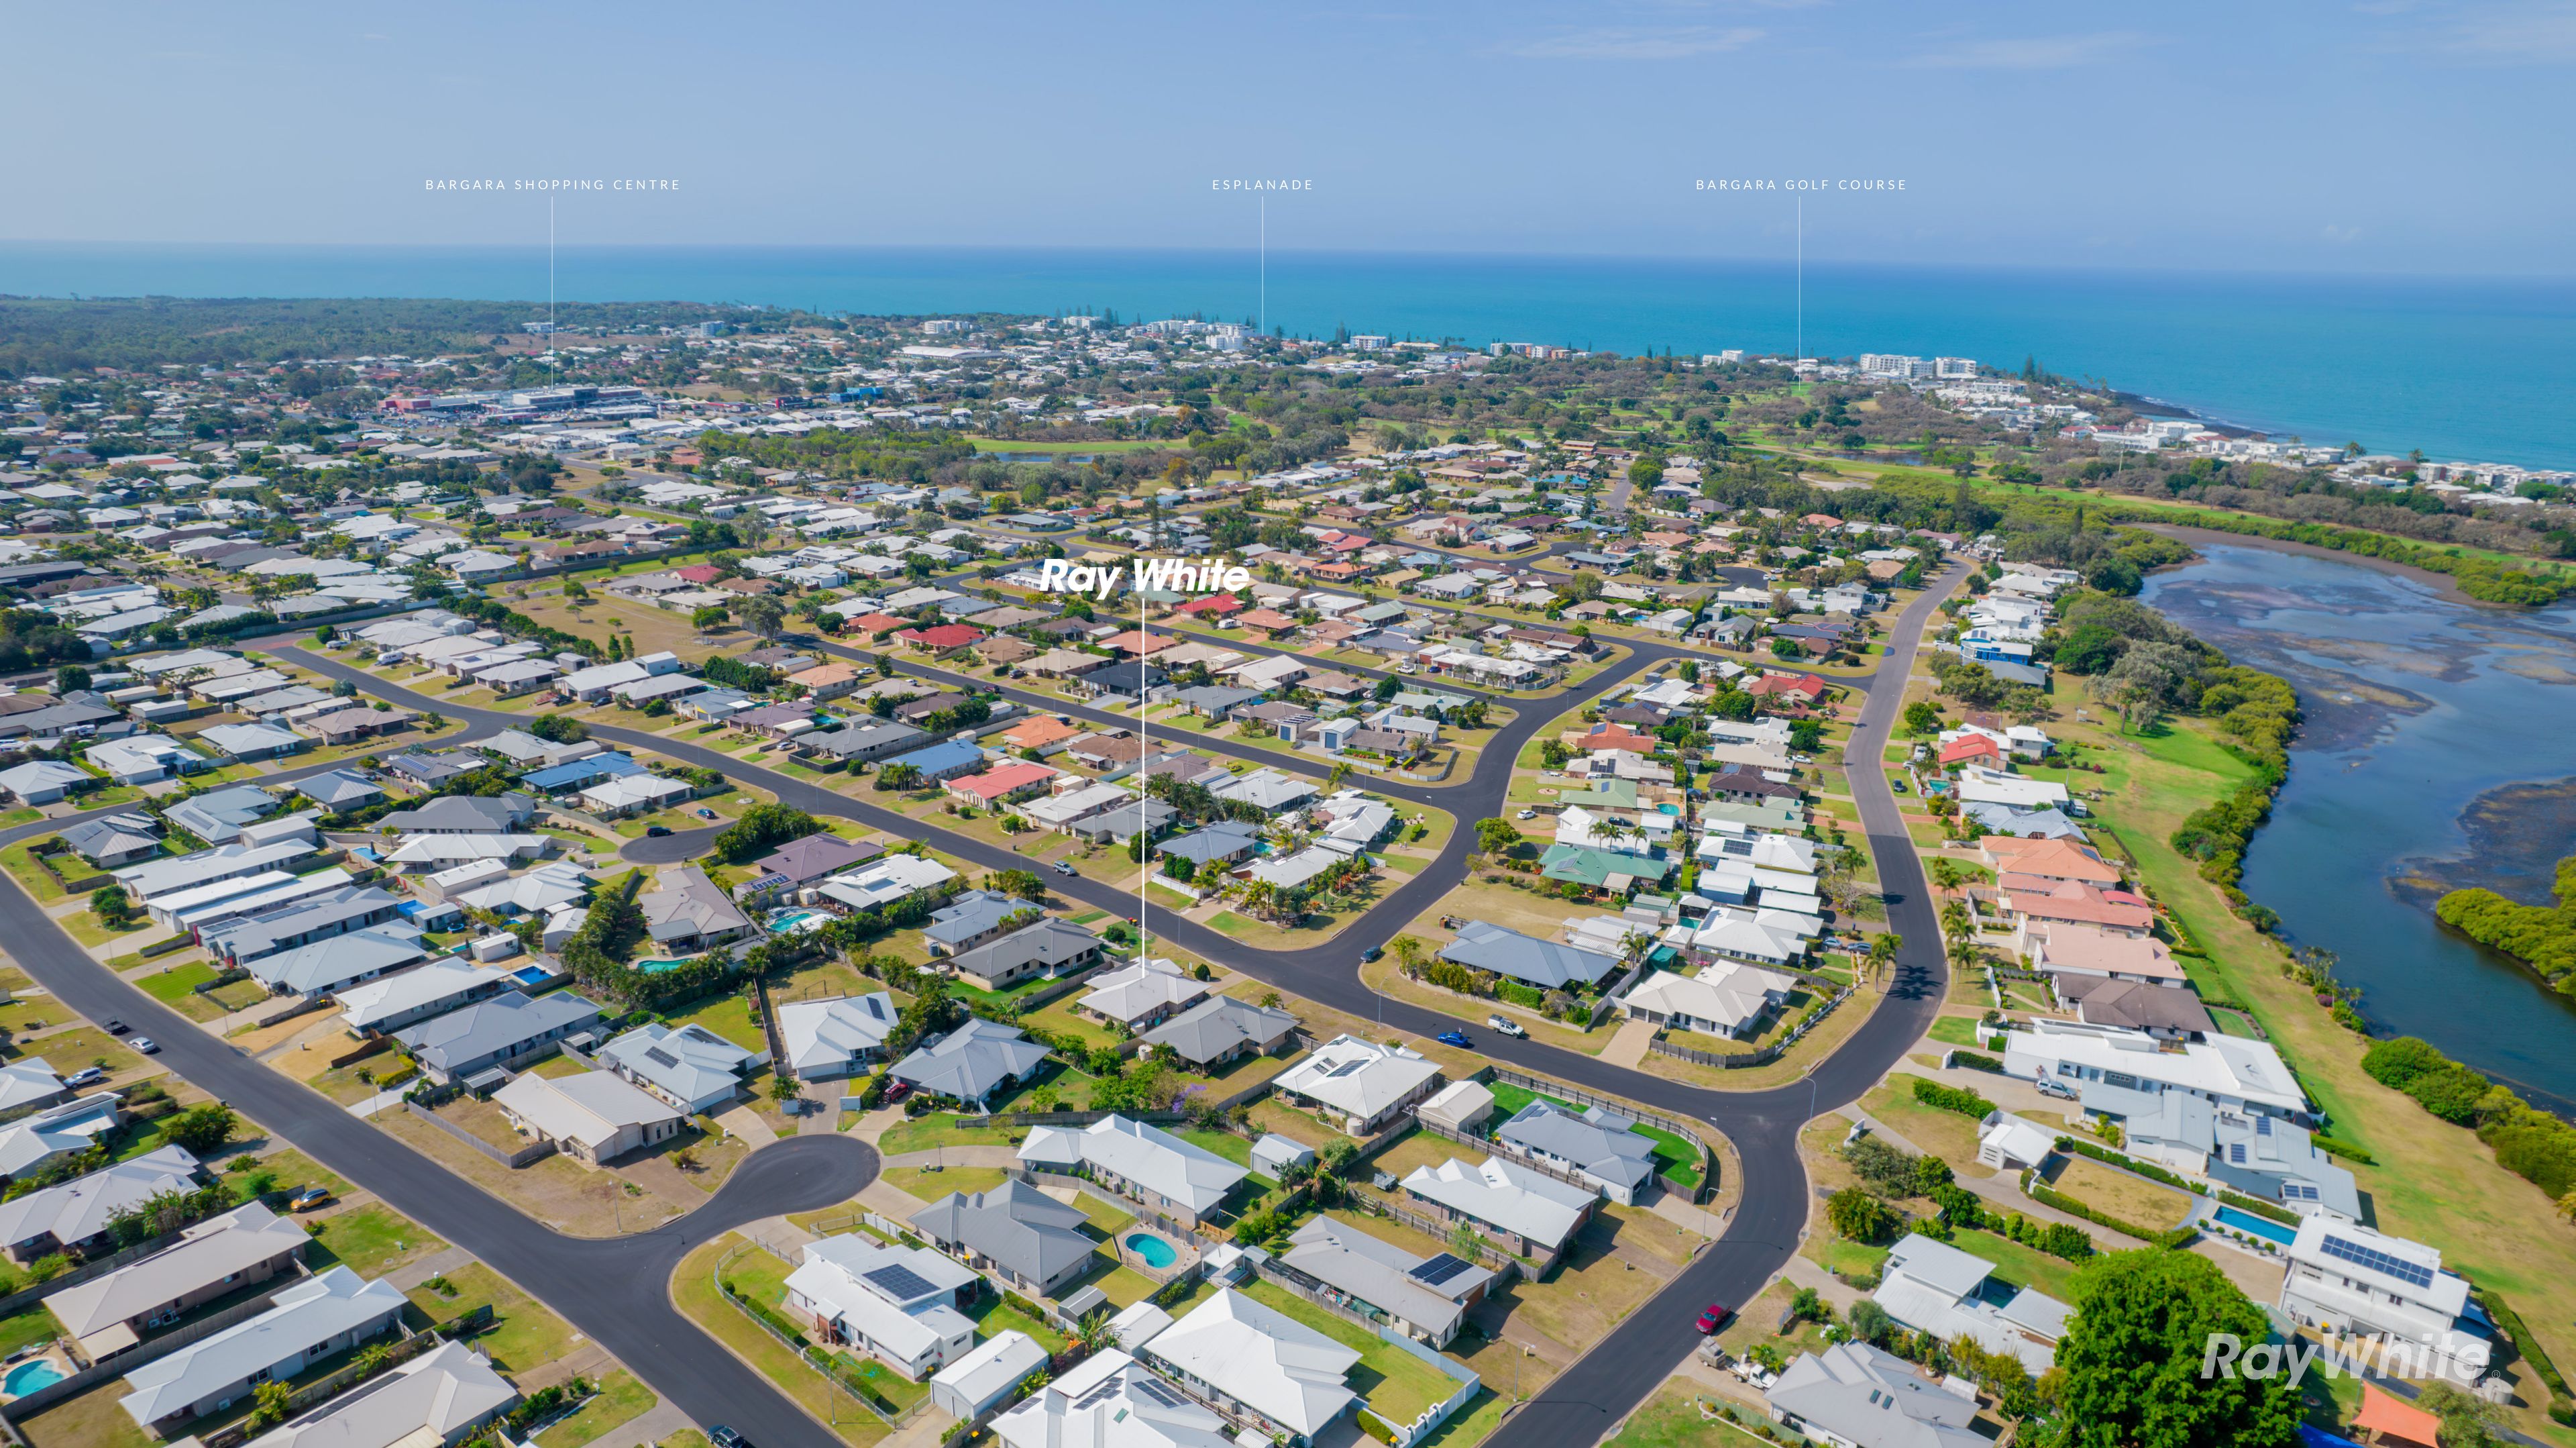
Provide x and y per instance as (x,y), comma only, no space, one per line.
(1145,750)
(550,263)
(1802,283)
(1261,318)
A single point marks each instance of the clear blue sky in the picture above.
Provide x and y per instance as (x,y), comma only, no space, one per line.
(2384,136)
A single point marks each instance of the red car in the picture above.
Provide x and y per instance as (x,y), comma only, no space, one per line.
(1714,1318)
(897,1092)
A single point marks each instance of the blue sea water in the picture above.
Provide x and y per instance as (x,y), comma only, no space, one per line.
(2469,368)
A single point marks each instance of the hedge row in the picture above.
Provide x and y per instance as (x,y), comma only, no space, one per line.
(1952,1098)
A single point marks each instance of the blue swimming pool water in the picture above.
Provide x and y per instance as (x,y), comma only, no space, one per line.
(795,920)
(1154,1251)
(25,1378)
(2259,1226)
(656,967)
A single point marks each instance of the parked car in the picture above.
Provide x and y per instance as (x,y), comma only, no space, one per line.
(724,1437)
(897,1092)
(309,1198)
(1713,1317)
(655,832)
(1526,814)
(706,814)
(1506,1025)
(1456,1038)
(1373,952)
(117,1027)
(146,1045)
(1061,867)
(86,1076)
(1899,786)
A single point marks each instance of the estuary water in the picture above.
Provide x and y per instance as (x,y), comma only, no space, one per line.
(2437,753)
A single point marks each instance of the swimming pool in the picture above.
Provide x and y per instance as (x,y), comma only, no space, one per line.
(656,967)
(2262,1227)
(793,922)
(1153,1251)
(25,1378)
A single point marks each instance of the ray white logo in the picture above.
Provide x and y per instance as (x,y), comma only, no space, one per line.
(2345,1354)
(1149,575)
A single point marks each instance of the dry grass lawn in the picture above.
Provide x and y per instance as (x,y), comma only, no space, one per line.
(2129,1198)
(555,1191)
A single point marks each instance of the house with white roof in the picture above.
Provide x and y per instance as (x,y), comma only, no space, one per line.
(1258,1366)
(395,1001)
(1726,998)
(2232,1071)
(986,1375)
(439,1397)
(311,1320)
(1936,1288)
(1110,1400)
(692,1067)
(78,1214)
(1144,995)
(1855,1396)
(1530,1212)
(828,1040)
(32,1143)
(1358,1084)
(2346,1278)
(1145,1162)
(590,1116)
(898,1304)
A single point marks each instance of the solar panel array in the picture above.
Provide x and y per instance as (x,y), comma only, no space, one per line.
(1152,1387)
(1437,1270)
(2236,1152)
(2378,1261)
(1346,1068)
(2298,1192)
(660,1057)
(1101,1392)
(901,1282)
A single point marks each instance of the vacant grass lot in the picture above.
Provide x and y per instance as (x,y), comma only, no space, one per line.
(2129,1198)
(372,1240)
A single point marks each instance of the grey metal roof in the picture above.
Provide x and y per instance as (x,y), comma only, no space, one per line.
(467,1038)
(1596,1141)
(1014,1224)
(1220,1024)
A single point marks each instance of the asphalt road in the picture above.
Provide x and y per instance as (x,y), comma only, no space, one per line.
(616,1291)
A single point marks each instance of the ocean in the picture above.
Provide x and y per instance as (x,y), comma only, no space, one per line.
(2470,369)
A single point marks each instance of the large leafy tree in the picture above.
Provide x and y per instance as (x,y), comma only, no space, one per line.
(2129,1367)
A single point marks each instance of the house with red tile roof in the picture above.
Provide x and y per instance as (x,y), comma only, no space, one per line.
(941,638)
(876,623)
(1972,749)
(1138,645)
(1269,621)
(1215,605)
(1001,783)
(701,574)
(1802,686)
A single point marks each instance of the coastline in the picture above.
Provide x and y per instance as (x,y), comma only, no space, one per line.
(2443,583)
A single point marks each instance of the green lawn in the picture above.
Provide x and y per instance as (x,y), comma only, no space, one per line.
(2027,1266)
(177,983)
(992,1319)
(930,1185)
(1396,1384)
(1673,1418)
(27,1326)
(1957,1031)
(1679,1161)
(1226,1144)
(922,1133)
(523,1334)
(375,1239)
(621,1398)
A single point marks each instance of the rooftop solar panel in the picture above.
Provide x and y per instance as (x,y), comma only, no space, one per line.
(900,1282)
(2378,1261)
(1101,1391)
(1439,1269)
(660,1057)
(1153,1388)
